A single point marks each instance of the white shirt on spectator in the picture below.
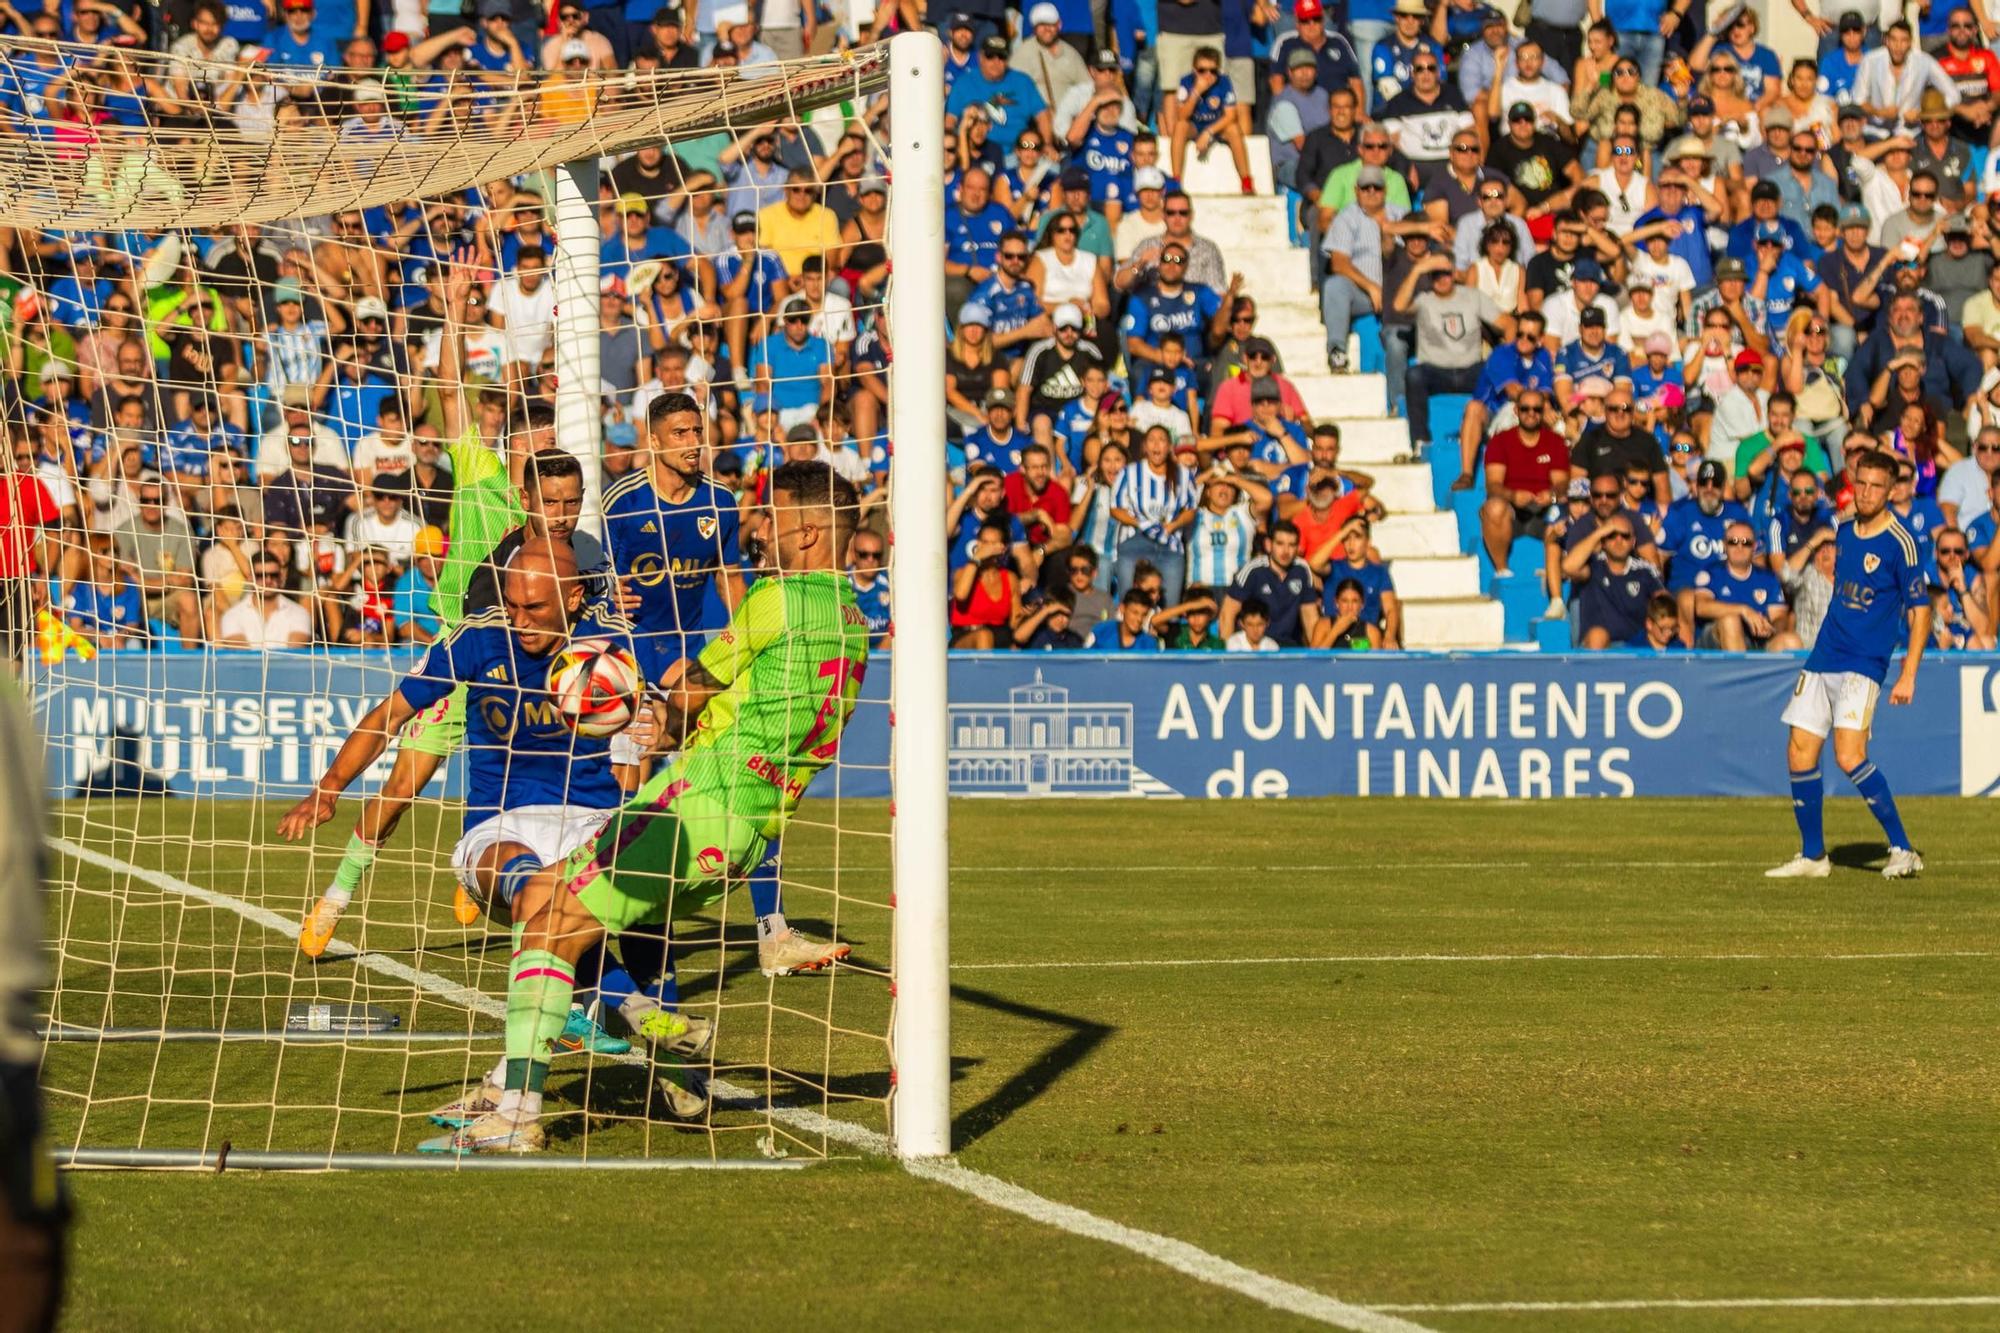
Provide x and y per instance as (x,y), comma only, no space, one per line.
(1147,414)
(380,458)
(1737,417)
(1880,195)
(1549,98)
(397,536)
(1668,280)
(1239,642)
(1964,484)
(1632,338)
(530,316)
(1561,312)
(835,320)
(485,353)
(274,452)
(246,622)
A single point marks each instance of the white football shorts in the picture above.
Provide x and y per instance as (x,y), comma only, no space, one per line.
(1829,701)
(551,832)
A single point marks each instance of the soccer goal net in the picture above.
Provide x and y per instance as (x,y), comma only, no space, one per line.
(318,366)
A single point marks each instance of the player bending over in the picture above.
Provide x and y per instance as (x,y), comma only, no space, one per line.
(1878,580)
(756,716)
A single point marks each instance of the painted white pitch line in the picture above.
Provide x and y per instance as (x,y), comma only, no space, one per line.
(1178,1255)
(1726,1303)
(1198,867)
(1473,958)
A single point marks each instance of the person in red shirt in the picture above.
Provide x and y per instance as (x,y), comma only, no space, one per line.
(26,507)
(1527,468)
(1321,518)
(1976,71)
(1042,506)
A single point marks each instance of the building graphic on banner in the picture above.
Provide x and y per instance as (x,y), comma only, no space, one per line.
(1039,743)
(1978,731)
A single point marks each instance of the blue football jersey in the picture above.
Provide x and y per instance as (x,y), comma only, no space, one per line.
(1695,539)
(668,553)
(1875,580)
(519,752)
(873,603)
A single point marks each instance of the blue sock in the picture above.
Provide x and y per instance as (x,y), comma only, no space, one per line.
(1874,789)
(514,875)
(1808,792)
(766,894)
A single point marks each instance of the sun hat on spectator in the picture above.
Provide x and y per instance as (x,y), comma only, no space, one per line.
(1685,147)
(1730,267)
(430,540)
(1749,359)
(1854,215)
(574,50)
(1933,107)
(1300,57)
(995,46)
(1414,8)
(1148,178)
(998,397)
(1068,317)
(371,307)
(394,42)
(287,289)
(296,395)
(1044,13)
(1958,225)
(1777,118)
(975,312)
(1308,9)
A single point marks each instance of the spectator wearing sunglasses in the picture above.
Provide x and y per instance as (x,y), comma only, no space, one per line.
(1962,615)
(1614,586)
(1739,605)
(1428,119)
(1962,491)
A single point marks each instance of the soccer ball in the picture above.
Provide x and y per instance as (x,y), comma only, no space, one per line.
(595,684)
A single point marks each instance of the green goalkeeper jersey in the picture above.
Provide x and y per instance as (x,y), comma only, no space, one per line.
(484,509)
(791,663)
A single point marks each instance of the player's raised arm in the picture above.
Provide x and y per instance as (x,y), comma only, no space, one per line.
(363,746)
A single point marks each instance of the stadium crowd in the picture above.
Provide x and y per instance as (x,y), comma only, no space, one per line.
(1648,284)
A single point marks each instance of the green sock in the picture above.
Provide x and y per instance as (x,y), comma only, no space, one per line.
(354,863)
(538,997)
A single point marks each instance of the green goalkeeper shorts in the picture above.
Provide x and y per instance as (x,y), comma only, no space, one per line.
(661,857)
(438,730)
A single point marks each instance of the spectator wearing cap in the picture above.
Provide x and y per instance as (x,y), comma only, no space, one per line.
(1592,357)
(1785,282)
(1392,63)
(1354,252)
(752,173)
(1898,272)
(571,33)
(1011,98)
(1844,38)
(1938,151)
(1105,159)
(1919,219)
(1740,413)
(1231,403)
(793,368)
(1052,371)
(1077,111)
(1730,293)
(1335,63)
(1614,585)
(798,225)
(1297,109)
(1451,322)
(996,444)
(971,367)
(1960,273)
(1893,77)
(638,238)
(299,41)
(1267,443)
(1427,118)
(1765,219)
(1562,311)
(974,227)
(1694,533)
(410,605)
(1054,66)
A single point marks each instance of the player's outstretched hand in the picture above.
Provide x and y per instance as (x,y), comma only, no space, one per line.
(307,815)
(1904,691)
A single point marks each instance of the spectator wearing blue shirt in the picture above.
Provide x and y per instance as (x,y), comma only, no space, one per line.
(1389,63)
(1614,586)
(1793,524)
(638,239)
(997,444)
(1682,200)
(1010,97)
(974,227)
(1694,532)
(1106,158)
(793,367)
(415,621)
(983,503)
(1379,604)
(1172,305)
(300,42)
(1782,282)
(1519,364)
(749,282)
(108,606)
(1739,604)
(496,49)
(77,301)
(1127,632)
(1591,356)
(1014,308)
(1840,53)
(1335,63)
(1204,109)
(1765,199)
(1756,61)
(961,35)
(190,443)
(1282,583)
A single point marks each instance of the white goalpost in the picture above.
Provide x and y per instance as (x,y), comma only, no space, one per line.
(183,1025)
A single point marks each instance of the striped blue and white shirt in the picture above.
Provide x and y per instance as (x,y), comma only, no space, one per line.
(1095,527)
(1155,500)
(1222,544)
(296,354)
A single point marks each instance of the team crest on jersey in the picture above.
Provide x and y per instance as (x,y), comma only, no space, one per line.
(1870,563)
(1631,587)
(705,525)
(1454,326)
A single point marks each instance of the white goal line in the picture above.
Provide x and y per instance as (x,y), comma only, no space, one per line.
(1720,1303)
(1200,867)
(1179,1255)
(1302,959)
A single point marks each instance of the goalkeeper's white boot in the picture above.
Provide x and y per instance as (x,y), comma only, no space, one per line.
(1801,867)
(687,1036)
(683,1093)
(317,930)
(1903,864)
(790,953)
(494,1132)
(481,1099)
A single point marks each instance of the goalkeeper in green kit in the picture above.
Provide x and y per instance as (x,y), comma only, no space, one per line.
(755,717)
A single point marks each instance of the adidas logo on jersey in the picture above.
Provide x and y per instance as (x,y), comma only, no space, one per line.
(650,526)
(496,673)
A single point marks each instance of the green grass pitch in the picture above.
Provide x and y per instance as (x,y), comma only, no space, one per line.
(1405,1054)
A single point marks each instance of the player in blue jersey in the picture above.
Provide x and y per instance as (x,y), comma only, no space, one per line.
(670,531)
(1880,598)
